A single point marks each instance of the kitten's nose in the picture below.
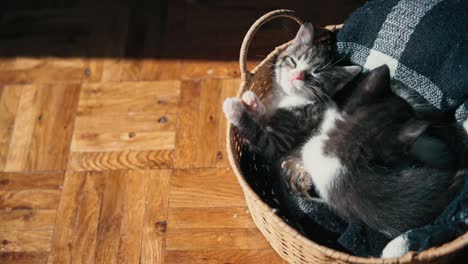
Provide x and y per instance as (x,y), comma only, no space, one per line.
(298,75)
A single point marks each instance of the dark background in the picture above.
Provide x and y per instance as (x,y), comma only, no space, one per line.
(182,29)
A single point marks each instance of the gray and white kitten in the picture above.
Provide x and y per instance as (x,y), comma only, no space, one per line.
(360,161)
(305,78)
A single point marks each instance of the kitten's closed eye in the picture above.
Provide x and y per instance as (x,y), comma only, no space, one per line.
(290,61)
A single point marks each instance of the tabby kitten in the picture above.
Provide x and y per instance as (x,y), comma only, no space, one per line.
(360,161)
(305,79)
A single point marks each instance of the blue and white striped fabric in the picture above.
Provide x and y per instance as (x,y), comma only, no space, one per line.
(424,43)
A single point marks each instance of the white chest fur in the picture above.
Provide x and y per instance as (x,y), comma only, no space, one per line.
(291,101)
(324,169)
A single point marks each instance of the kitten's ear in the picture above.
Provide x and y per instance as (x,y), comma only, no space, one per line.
(305,35)
(411,130)
(345,75)
(377,82)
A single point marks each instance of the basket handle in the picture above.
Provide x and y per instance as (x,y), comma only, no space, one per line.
(245,73)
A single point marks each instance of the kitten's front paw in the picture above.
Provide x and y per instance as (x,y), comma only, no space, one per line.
(253,103)
(233,108)
(296,177)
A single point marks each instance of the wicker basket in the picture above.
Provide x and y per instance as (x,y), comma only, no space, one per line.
(286,241)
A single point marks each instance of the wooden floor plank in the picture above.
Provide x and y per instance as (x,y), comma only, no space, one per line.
(133,121)
(187,125)
(29,199)
(244,256)
(220,239)
(43,129)
(21,140)
(130,70)
(107,142)
(110,221)
(14,181)
(201,126)
(133,218)
(198,125)
(205,188)
(54,127)
(61,250)
(111,70)
(199,69)
(27,219)
(208,122)
(139,116)
(9,101)
(229,88)
(154,227)
(20,240)
(116,160)
(40,70)
(24,257)
(89,209)
(161,69)
(229,217)
(110,98)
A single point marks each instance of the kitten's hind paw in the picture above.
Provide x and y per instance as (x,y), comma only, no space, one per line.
(396,248)
(253,103)
(296,177)
(233,108)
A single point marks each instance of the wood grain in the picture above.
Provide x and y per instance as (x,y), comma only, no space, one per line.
(130,70)
(24,257)
(112,211)
(205,188)
(198,125)
(21,138)
(198,69)
(85,230)
(9,101)
(208,122)
(133,217)
(43,127)
(111,69)
(32,70)
(19,240)
(227,217)
(54,127)
(229,88)
(29,199)
(244,256)
(221,239)
(107,142)
(133,121)
(154,227)
(61,250)
(187,125)
(101,161)
(13,181)
(129,98)
(27,219)
(132,116)
(161,70)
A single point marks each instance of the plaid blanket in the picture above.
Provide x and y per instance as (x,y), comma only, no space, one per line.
(424,43)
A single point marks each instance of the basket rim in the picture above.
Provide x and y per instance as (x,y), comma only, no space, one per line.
(428,254)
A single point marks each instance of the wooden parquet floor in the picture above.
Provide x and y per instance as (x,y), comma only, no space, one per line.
(112,142)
